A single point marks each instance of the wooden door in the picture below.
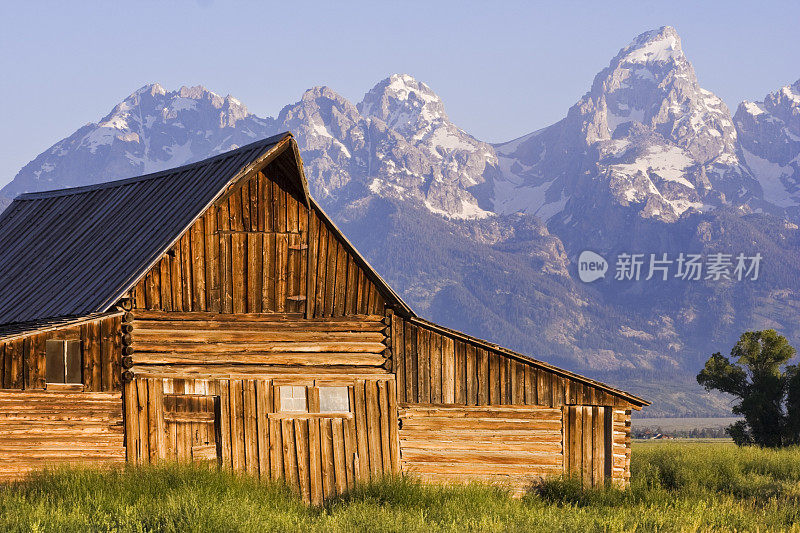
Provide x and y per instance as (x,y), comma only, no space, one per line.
(315,454)
(191,426)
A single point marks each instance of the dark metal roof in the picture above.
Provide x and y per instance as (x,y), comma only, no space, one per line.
(74,252)
(23,329)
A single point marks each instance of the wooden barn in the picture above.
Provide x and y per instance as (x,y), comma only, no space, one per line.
(214,313)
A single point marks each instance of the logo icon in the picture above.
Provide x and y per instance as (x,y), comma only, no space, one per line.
(591,266)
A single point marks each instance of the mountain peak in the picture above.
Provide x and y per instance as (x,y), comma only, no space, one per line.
(404,103)
(152,89)
(663,44)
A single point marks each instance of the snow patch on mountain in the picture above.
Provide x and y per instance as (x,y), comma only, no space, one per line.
(769,133)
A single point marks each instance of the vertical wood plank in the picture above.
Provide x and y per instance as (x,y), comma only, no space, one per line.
(373,429)
(315,463)
(394,435)
(340,468)
(262,425)
(239,272)
(384,410)
(362,429)
(410,355)
(282,272)
(301,448)
(448,370)
(327,463)
(131,415)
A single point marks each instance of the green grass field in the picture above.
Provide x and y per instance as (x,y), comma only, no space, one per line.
(676,486)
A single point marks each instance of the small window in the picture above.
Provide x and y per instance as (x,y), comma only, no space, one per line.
(63,361)
(334,400)
(293,399)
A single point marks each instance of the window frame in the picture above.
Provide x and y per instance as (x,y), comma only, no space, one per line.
(70,364)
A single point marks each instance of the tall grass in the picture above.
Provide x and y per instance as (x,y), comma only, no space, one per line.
(674,487)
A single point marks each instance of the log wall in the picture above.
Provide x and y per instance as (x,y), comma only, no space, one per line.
(446,369)
(40,429)
(23,357)
(512,446)
(205,345)
(621,446)
(318,454)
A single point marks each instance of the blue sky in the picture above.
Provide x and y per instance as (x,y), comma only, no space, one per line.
(503,69)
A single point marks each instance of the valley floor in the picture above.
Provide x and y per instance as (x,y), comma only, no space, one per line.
(676,486)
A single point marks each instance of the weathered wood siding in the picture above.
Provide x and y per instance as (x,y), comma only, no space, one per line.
(260,249)
(513,446)
(338,282)
(588,446)
(318,454)
(40,429)
(434,367)
(23,357)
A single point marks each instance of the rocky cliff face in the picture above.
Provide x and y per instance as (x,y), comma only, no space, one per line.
(769,133)
(645,140)
(484,238)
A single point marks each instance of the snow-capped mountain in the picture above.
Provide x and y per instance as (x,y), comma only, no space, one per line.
(152,129)
(480,237)
(396,143)
(769,133)
(646,136)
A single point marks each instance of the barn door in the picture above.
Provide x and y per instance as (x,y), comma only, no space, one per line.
(316,453)
(191,426)
(587,443)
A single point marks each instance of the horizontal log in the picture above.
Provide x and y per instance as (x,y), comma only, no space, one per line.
(455,448)
(66,449)
(162,336)
(424,407)
(484,414)
(234,371)
(498,457)
(115,439)
(258,327)
(511,481)
(29,427)
(56,416)
(56,456)
(8,394)
(420,443)
(143,314)
(259,348)
(480,469)
(277,358)
(466,423)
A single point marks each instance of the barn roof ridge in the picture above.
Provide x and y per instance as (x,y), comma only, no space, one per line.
(68,191)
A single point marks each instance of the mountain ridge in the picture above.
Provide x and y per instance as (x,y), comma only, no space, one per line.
(483,237)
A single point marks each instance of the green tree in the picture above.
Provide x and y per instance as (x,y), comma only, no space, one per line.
(767,388)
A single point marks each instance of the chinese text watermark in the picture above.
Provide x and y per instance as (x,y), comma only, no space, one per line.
(663,266)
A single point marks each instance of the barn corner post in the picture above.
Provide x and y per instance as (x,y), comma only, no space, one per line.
(240,327)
